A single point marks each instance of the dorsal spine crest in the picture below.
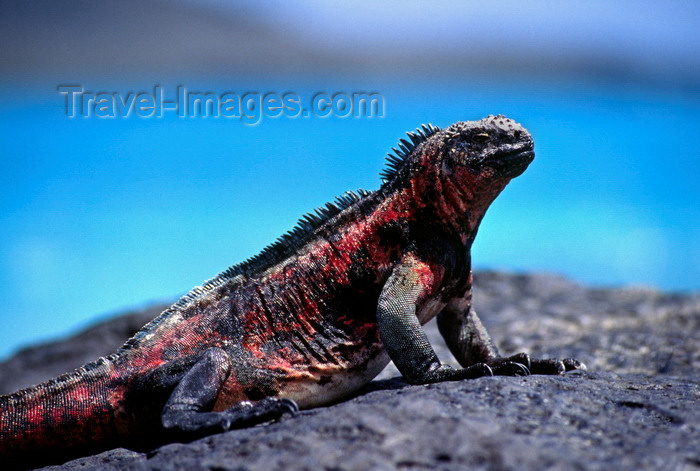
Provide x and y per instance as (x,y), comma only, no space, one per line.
(396,158)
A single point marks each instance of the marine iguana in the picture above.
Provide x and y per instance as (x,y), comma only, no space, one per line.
(308,321)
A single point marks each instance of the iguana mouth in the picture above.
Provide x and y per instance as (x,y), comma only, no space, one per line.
(512,162)
(517,157)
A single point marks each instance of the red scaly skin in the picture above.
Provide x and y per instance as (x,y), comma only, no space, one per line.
(300,326)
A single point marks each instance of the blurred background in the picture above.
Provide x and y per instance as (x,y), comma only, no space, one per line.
(98,215)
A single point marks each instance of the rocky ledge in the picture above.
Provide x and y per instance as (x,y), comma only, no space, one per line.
(638,406)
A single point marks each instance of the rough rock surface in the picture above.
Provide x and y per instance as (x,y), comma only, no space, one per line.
(638,407)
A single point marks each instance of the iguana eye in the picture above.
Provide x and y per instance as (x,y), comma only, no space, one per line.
(481,138)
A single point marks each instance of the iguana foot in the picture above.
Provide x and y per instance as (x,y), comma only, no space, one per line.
(246,414)
(510,368)
(477,370)
(536,366)
(441,373)
(193,424)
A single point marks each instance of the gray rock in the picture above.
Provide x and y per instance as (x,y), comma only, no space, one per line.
(636,408)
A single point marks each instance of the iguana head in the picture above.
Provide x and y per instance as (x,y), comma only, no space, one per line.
(476,160)
(461,169)
(471,153)
(492,149)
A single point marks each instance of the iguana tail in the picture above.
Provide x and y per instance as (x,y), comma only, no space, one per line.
(63,416)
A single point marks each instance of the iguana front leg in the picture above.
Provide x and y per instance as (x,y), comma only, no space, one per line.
(404,338)
(470,344)
(188,414)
